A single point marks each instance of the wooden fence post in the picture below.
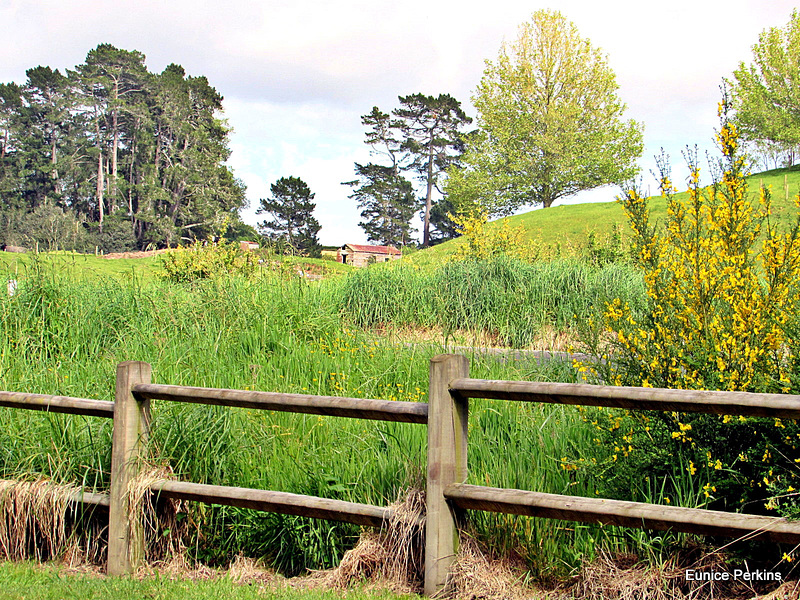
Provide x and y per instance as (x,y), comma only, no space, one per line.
(447,463)
(129,440)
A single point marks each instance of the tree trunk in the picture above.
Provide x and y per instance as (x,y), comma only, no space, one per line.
(114,149)
(100,186)
(426,232)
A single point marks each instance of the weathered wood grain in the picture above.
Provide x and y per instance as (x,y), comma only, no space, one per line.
(634,398)
(129,441)
(57,404)
(357,408)
(447,464)
(618,512)
(277,502)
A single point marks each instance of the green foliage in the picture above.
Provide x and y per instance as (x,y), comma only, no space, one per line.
(424,136)
(485,242)
(138,156)
(65,336)
(765,92)
(294,228)
(47,228)
(501,296)
(203,261)
(550,123)
(606,249)
(387,202)
(431,126)
(722,300)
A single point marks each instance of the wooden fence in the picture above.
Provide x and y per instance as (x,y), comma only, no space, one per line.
(446,415)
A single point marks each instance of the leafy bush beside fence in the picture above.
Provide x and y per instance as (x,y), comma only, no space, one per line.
(721,314)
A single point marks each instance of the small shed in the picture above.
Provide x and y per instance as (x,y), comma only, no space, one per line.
(245,246)
(361,255)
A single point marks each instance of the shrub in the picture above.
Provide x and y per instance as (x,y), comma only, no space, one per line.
(485,242)
(203,261)
(722,297)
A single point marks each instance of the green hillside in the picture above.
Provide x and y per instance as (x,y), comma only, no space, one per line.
(565,229)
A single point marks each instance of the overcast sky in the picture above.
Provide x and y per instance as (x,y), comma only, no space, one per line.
(297,76)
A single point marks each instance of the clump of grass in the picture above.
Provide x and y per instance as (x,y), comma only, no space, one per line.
(37,519)
(503,296)
(392,558)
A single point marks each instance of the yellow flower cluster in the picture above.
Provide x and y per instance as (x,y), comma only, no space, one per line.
(484,240)
(719,305)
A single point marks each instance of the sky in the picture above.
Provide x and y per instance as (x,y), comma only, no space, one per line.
(297,75)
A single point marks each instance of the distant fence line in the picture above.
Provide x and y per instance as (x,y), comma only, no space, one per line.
(446,415)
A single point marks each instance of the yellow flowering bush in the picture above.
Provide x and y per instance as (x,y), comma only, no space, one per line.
(203,261)
(722,299)
(483,241)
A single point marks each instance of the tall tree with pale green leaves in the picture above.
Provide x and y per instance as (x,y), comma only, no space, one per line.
(550,123)
(766,92)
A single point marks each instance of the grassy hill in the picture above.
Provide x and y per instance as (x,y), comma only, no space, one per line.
(565,229)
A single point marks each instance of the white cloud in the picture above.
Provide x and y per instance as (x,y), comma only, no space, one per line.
(296,76)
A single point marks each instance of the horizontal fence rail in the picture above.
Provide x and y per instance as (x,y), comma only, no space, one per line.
(58,404)
(620,512)
(446,416)
(92,499)
(632,398)
(277,502)
(332,406)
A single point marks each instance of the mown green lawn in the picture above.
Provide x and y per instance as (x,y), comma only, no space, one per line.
(88,266)
(564,229)
(29,581)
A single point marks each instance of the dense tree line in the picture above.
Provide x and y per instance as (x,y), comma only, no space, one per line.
(113,155)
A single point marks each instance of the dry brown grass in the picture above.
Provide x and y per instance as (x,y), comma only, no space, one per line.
(625,578)
(41,522)
(477,575)
(163,534)
(391,558)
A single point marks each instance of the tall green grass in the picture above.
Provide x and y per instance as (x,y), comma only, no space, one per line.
(504,297)
(62,336)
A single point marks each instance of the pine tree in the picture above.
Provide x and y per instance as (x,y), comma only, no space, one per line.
(387,202)
(293,224)
(432,138)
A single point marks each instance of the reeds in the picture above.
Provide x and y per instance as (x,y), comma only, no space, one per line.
(504,297)
(60,336)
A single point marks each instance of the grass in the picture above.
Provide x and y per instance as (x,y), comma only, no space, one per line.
(507,299)
(564,230)
(64,334)
(23,580)
(60,335)
(78,266)
(88,266)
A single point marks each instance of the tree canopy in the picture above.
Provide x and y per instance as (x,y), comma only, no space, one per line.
(293,225)
(424,136)
(766,93)
(125,157)
(550,123)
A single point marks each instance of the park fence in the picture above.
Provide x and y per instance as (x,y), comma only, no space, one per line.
(446,415)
